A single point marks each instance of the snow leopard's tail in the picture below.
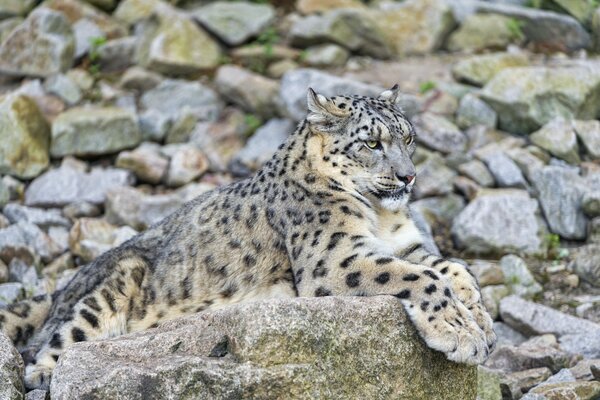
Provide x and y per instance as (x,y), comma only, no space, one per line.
(19,321)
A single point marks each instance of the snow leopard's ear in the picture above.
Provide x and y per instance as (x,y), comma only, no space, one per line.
(390,95)
(322,111)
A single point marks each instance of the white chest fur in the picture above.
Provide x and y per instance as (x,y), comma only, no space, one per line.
(395,232)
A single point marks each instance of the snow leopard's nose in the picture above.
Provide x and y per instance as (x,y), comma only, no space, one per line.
(407,179)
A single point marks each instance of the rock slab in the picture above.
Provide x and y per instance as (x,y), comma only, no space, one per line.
(301,348)
(11,371)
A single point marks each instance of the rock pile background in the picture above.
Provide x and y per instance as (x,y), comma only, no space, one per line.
(113,113)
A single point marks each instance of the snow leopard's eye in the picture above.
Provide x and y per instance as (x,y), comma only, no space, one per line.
(373,144)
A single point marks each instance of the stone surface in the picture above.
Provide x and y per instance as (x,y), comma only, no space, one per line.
(9,8)
(560,192)
(254,351)
(477,171)
(416,26)
(586,263)
(326,55)
(235,22)
(518,277)
(42,218)
(145,162)
(505,171)
(11,371)
(173,44)
(314,6)
(434,178)
(27,242)
(439,134)
(65,185)
(567,390)
(483,31)
(11,292)
(480,69)
(488,384)
(129,206)
(25,137)
(94,131)
(528,97)
(531,354)
(261,146)
(43,45)
(517,383)
(187,163)
(499,221)
(355,29)
(252,92)
(559,139)
(589,134)
(507,335)
(90,237)
(473,111)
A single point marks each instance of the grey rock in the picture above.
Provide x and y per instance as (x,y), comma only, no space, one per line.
(440,209)
(589,134)
(326,55)
(590,203)
(528,97)
(25,137)
(434,178)
(586,263)
(544,28)
(90,237)
(9,8)
(527,161)
(128,206)
(355,29)
(8,25)
(80,209)
(582,370)
(500,221)
(145,162)
(235,23)
(474,111)
(65,185)
(11,371)
(94,131)
(4,194)
(439,134)
(22,272)
(518,277)
(252,92)
(559,139)
(594,230)
(564,375)
(85,32)
(295,84)
(174,98)
(155,126)
(491,296)
(487,272)
(64,87)
(480,69)
(42,218)
(504,170)
(140,79)
(60,236)
(517,383)
(261,146)
(488,384)
(252,351)
(483,31)
(560,191)
(507,335)
(523,357)
(37,394)
(477,171)
(43,45)
(9,293)
(117,54)
(3,271)
(26,241)
(187,163)
(565,390)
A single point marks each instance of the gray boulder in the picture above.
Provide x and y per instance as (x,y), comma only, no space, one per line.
(11,371)
(28,242)
(589,134)
(335,347)
(500,221)
(40,217)
(439,134)
(235,22)
(473,111)
(43,45)
(559,139)
(586,263)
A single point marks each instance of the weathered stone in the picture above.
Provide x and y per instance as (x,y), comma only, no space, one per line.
(488,384)
(491,296)
(252,92)
(11,292)
(187,163)
(118,54)
(528,97)
(235,22)
(77,11)
(483,31)
(416,26)
(129,206)
(145,162)
(8,25)
(518,278)
(560,191)
(528,356)
(580,9)
(477,171)
(90,237)
(42,218)
(558,138)
(28,242)
(500,221)
(566,390)
(439,134)
(140,79)
(480,69)
(133,11)
(25,137)
(62,86)
(434,178)
(64,185)
(355,29)
(517,383)
(439,209)
(253,351)
(505,171)
(326,55)
(474,111)
(315,6)
(43,45)
(527,161)
(487,273)
(11,371)
(586,263)
(546,29)
(582,370)
(590,203)
(23,272)
(94,131)
(37,394)
(589,134)
(10,8)
(507,335)
(261,146)
(173,44)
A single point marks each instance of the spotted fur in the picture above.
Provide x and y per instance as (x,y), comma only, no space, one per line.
(325,216)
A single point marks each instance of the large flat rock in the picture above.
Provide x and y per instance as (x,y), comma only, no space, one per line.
(334,347)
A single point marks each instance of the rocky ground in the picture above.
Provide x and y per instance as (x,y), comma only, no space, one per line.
(113,113)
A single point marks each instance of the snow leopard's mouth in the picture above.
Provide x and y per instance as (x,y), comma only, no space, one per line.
(393,194)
